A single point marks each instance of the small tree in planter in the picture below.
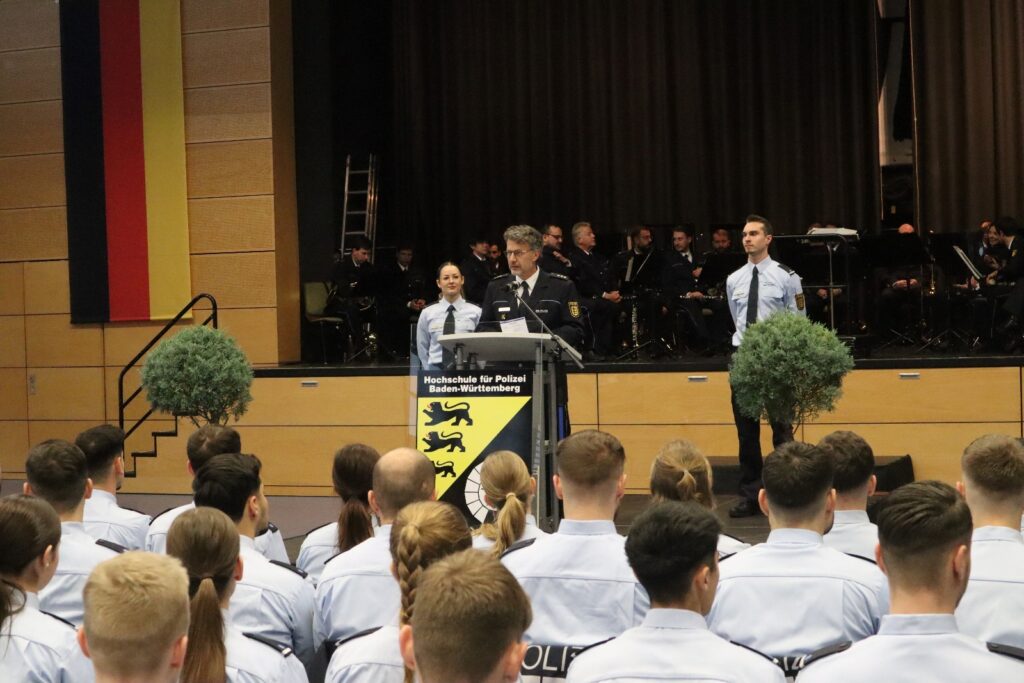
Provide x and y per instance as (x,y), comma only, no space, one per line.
(789,369)
(200,372)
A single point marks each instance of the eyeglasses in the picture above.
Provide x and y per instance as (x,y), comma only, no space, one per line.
(518,253)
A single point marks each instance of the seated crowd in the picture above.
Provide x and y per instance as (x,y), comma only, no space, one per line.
(401,588)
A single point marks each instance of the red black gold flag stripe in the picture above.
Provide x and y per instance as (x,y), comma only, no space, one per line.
(124,148)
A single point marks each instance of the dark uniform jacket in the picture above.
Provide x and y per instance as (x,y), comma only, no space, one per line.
(1014,268)
(477,274)
(677,276)
(554,299)
(354,281)
(398,287)
(550,264)
(593,274)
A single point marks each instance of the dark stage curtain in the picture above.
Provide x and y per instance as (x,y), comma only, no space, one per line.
(658,111)
(970,79)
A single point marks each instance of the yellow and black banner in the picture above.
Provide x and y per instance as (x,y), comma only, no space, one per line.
(461,417)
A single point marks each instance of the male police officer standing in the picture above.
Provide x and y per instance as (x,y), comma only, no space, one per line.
(755,292)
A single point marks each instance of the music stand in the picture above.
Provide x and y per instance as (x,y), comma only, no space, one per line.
(894,250)
(718,267)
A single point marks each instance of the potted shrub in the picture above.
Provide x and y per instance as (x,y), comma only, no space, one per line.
(789,369)
(200,372)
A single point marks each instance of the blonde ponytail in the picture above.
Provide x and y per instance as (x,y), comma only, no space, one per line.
(681,472)
(507,484)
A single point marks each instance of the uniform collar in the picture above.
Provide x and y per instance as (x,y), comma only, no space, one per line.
(761,266)
(997,533)
(917,624)
(246,542)
(531,520)
(851,517)
(105,496)
(531,281)
(660,617)
(590,527)
(794,537)
(383,531)
(73,529)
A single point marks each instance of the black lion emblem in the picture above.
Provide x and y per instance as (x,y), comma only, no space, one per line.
(445,469)
(451,441)
(457,412)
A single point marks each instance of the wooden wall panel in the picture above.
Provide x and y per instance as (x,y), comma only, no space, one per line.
(41,430)
(31,128)
(236,280)
(30,75)
(66,394)
(339,401)
(34,234)
(47,289)
(255,330)
(226,57)
(13,394)
(231,224)
(12,288)
(583,399)
(230,169)
(12,341)
(934,448)
(121,341)
(217,15)
(664,398)
(28,24)
(236,112)
(51,341)
(871,396)
(13,447)
(31,181)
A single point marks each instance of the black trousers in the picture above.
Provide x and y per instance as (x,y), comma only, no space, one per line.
(748,431)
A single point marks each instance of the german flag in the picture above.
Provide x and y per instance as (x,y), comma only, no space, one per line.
(124,153)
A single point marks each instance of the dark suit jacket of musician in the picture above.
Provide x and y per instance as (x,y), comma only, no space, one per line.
(592,275)
(554,299)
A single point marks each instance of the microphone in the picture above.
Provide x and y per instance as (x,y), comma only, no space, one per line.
(511,287)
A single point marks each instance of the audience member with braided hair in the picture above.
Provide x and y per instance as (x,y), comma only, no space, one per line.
(509,489)
(469,622)
(34,646)
(206,542)
(681,472)
(422,534)
(352,475)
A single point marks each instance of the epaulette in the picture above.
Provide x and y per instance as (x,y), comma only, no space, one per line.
(518,546)
(283,649)
(271,527)
(756,652)
(65,621)
(861,557)
(785,268)
(723,558)
(333,556)
(161,515)
(592,645)
(732,537)
(317,528)
(826,651)
(367,632)
(500,275)
(289,567)
(1007,650)
(111,545)
(558,276)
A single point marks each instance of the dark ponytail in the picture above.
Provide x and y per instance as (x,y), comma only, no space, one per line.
(353,478)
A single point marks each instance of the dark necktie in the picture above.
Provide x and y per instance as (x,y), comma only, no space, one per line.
(447,356)
(752,299)
(526,293)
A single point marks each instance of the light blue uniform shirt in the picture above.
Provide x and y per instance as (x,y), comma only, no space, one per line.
(356,590)
(671,645)
(105,520)
(274,602)
(431,326)
(915,648)
(580,584)
(38,648)
(777,290)
(531,530)
(853,533)
(791,596)
(992,609)
(250,661)
(270,543)
(76,559)
(373,658)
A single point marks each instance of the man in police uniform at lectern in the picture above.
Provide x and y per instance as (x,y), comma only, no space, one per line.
(553,297)
(758,290)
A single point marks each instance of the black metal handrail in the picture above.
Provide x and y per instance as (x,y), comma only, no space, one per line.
(122,404)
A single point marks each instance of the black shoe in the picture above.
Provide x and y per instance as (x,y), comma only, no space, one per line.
(745,508)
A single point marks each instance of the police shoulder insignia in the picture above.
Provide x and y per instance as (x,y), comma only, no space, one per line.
(1006,650)
(1013,253)
(785,268)
(800,301)
(558,276)
(500,276)
(574,309)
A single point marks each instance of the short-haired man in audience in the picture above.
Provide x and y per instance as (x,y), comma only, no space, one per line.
(356,589)
(56,472)
(792,595)
(553,257)
(992,609)
(924,533)
(854,461)
(204,443)
(136,619)
(103,446)
(578,579)
(672,548)
(468,624)
(272,599)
